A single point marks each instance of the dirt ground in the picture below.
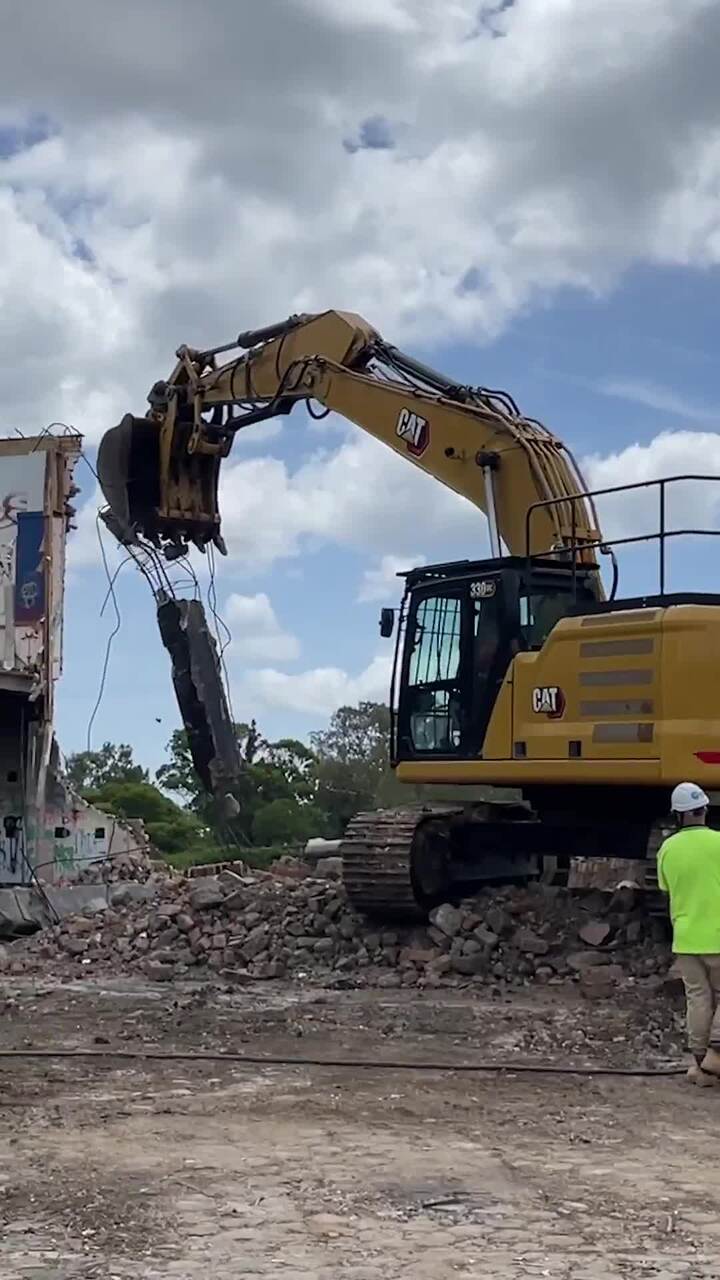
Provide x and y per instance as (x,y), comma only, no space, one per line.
(190,1168)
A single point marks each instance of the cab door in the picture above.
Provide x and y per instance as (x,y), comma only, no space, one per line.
(457,650)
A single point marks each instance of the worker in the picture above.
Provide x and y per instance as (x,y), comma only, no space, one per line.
(689,872)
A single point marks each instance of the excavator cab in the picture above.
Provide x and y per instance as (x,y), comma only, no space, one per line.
(461,625)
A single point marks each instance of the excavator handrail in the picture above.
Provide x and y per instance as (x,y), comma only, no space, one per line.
(661,483)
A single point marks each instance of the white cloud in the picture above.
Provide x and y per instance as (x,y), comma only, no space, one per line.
(382,583)
(360,495)
(689,504)
(585,140)
(258,434)
(655,396)
(257,635)
(318,691)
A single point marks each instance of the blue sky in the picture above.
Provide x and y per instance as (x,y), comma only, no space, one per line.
(524,194)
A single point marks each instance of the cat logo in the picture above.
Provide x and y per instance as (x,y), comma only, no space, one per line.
(548,701)
(414,430)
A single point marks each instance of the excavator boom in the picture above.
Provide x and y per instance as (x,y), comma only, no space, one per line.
(160,473)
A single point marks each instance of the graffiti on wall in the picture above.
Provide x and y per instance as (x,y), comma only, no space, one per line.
(22,565)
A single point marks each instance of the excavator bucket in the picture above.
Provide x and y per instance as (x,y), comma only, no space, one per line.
(156,488)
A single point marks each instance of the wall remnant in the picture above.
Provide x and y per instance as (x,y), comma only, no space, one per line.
(44,829)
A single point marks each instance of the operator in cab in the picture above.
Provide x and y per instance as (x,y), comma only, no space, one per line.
(689,872)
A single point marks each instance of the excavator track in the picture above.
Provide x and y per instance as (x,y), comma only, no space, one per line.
(379,853)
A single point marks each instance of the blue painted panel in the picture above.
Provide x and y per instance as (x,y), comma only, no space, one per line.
(29,568)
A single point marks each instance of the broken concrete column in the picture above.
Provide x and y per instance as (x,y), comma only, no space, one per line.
(200,692)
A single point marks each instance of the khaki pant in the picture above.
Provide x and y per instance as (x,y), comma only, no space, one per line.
(701,976)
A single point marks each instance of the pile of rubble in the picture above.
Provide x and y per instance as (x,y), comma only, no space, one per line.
(264,926)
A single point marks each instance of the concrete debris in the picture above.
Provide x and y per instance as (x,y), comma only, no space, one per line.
(599,982)
(594,933)
(529,942)
(447,919)
(263,926)
(329,868)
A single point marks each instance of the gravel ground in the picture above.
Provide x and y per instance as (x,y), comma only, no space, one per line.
(191,1168)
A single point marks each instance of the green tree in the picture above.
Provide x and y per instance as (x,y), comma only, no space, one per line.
(352,761)
(284,821)
(88,770)
(279,777)
(170,828)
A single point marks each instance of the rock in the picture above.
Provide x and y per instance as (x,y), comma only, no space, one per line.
(447,919)
(418,956)
(442,965)
(128,893)
(4,959)
(437,936)
(157,971)
(256,941)
(600,981)
(634,931)
(167,936)
(388,981)
(236,900)
(184,922)
(498,921)
(238,977)
(594,933)
(206,894)
(168,910)
(530,943)
(486,936)
(75,946)
(324,947)
(372,941)
(544,973)
(471,947)
(582,960)
(230,881)
(329,868)
(469,965)
(80,925)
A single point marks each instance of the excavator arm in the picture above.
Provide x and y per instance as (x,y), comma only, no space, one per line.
(160,473)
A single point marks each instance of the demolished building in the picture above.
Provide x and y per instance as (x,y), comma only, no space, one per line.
(45,830)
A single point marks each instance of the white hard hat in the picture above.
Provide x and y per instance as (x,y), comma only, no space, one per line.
(688,796)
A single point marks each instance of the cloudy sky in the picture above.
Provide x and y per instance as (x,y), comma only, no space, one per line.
(525,194)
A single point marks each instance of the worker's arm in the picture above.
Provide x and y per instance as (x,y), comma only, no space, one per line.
(471,439)
(662,882)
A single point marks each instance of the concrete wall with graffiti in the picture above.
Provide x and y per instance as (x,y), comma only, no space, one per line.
(23,577)
(43,829)
(60,838)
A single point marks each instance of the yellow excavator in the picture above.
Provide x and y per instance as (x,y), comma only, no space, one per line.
(519,671)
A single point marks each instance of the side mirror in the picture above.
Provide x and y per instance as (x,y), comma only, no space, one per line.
(387,623)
